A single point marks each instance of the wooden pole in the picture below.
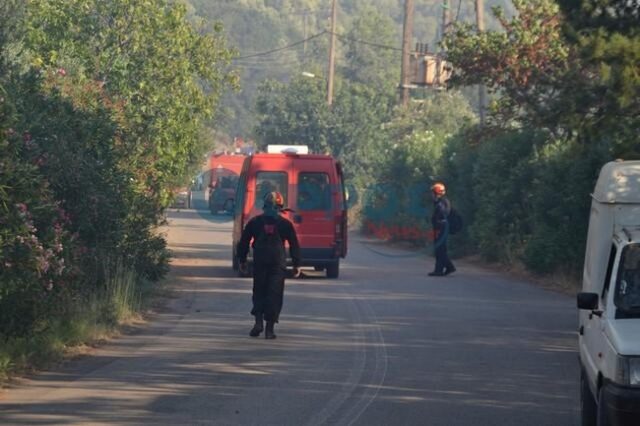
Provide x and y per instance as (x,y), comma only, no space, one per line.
(332,53)
(446,17)
(407,36)
(481,89)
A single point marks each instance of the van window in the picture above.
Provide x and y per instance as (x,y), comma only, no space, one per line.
(228,182)
(314,191)
(627,295)
(268,182)
(607,278)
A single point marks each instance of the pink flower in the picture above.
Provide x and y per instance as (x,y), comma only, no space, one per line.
(43,265)
(62,72)
(60,269)
(22,207)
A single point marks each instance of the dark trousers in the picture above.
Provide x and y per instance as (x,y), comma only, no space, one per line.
(268,290)
(442,257)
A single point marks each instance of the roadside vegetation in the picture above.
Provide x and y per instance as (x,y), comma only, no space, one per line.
(253,27)
(564,96)
(101,116)
(565,87)
(104,108)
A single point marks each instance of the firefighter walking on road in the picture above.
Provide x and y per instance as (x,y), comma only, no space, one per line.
(268,232)
(440,223)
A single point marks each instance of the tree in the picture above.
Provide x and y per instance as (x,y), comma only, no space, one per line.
(607,36)
(296,113)
(529,64)
(150,61)
(574,73)
(367,60)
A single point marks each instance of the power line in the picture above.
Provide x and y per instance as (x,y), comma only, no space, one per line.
(369,43)
(281,13)
(290,55)
(267,65)
(298,43)
(269,52)
(268,68)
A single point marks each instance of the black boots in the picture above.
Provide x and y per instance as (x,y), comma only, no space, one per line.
(447,271)
(258,326)
(269,334)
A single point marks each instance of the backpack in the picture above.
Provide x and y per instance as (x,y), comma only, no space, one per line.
(268,246)
(455,222)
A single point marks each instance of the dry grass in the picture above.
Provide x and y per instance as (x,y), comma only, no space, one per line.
(123,305)
(562,281)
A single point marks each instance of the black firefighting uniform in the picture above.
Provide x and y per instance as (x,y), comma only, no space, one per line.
(439,221)
(269,265)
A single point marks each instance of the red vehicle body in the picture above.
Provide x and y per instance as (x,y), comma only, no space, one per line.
(224,171)
(313,189)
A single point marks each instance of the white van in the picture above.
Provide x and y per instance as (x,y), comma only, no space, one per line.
(609,329)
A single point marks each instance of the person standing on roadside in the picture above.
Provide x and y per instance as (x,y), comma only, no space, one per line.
(268,232)
(440,224)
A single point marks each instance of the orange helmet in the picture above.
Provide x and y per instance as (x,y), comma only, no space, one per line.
(439,189)
(274,198)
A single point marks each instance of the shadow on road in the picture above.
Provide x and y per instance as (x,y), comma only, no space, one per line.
(374,348)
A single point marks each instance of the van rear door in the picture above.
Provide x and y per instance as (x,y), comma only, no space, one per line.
(267,174)
(313,202)
(342,208)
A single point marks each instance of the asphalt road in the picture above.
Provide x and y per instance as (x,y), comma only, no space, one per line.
(382,345)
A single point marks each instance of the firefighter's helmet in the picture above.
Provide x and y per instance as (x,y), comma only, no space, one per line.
(439,189)
(274,199)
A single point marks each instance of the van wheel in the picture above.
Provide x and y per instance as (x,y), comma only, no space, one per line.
(588,408)
(333,269)
(603,414)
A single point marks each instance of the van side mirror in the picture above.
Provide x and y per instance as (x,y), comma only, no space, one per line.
(588,301)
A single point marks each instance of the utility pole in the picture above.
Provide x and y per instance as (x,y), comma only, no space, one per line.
(332,53)
(481,88)
(446,20)
(446,17)
(407,36)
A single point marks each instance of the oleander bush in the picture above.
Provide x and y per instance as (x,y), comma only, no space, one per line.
(100,116)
